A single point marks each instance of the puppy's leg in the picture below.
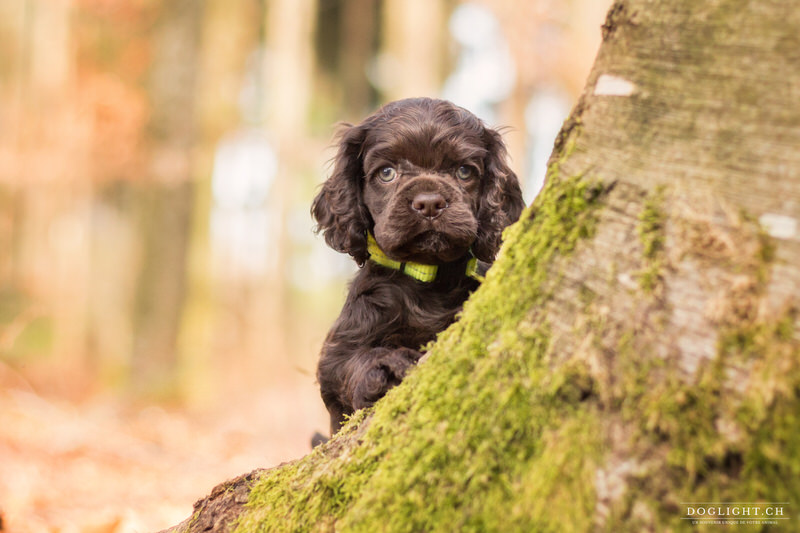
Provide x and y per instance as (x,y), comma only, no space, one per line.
(375,372)
(337,416)
(355,379)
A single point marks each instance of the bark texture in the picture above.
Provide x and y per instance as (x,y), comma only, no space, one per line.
(636,345)
(220,510)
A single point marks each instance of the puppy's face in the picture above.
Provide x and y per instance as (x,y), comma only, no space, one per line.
(427,178)
(422,185)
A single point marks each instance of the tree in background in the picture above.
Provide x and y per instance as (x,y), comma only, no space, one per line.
(636,345)
(167,201)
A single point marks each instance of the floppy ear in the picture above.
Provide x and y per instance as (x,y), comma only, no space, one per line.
(501,198)
(338,209)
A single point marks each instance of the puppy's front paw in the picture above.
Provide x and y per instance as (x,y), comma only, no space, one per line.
(386,370)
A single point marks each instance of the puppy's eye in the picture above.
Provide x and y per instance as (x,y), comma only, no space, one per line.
(464,172)
(387,174)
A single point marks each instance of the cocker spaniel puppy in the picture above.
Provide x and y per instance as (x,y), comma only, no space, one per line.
(419,194)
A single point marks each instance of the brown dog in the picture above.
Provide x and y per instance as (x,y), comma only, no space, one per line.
(419,195)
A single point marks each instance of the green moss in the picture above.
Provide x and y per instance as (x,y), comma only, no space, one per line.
(651,229)
(651,224)
(444,451)
(727,431)
(765,256)
(696,443)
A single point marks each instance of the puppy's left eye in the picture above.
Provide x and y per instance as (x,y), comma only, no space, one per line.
(464,172)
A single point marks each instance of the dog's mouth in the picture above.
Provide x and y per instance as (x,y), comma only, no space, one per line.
(434,247)
(430,246)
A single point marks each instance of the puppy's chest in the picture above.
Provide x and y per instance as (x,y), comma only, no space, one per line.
(426,314)
(432,314)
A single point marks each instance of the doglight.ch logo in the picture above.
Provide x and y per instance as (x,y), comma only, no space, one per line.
(740,513)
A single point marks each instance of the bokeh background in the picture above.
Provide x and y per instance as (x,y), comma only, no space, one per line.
(163,297)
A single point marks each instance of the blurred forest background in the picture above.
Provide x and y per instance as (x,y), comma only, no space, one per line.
(162,295)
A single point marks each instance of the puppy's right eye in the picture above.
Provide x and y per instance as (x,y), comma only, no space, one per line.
(387,174)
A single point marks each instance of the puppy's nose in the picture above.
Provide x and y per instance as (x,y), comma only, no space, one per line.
(429,204)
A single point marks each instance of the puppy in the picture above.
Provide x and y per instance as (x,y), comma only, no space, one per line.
(419,195)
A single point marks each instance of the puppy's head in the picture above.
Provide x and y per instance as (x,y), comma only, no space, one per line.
(426,177)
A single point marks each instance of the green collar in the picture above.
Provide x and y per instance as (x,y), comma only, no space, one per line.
(418,271)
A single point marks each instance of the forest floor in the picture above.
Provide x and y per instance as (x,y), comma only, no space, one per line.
(106,466)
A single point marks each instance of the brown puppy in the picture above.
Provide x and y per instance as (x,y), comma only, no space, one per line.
(419,195)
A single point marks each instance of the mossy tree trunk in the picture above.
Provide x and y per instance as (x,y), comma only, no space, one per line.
(636,344)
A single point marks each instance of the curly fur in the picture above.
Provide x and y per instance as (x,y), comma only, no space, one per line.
(426,213)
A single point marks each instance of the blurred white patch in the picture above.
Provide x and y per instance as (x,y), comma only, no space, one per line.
(544,115)
(608,85)
(243,230)
(485,73)
(779,226)
(314,265)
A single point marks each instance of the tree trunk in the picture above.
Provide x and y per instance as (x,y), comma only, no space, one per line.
(636,346)
(358,43)
(413,47)
(167,197)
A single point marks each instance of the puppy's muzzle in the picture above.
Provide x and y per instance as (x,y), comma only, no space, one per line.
(427,196)
(429,204)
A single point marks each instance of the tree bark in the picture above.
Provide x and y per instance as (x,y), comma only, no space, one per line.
(636,346)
